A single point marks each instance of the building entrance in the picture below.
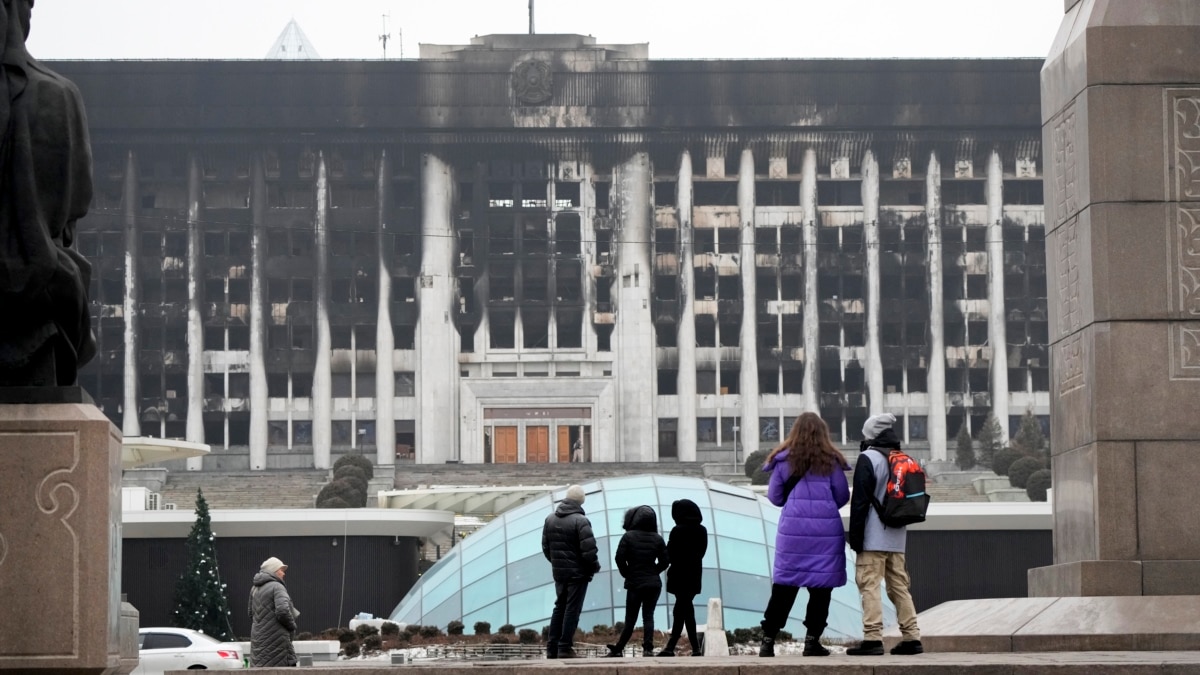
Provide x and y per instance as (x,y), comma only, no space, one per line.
(537,435)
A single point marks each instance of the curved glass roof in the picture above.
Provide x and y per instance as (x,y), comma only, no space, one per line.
(499,575)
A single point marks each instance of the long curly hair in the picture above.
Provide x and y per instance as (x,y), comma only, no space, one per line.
(810,448)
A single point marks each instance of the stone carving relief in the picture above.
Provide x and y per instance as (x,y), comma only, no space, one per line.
(1070,364)
(1183,114)
(1066,198)
(1069,309)
(532,82)
(1185,261)
(1185,351)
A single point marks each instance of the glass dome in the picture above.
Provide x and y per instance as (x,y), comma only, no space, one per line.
(498,574)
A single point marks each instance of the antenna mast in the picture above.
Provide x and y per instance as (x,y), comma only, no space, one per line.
(385,36)
(531,17)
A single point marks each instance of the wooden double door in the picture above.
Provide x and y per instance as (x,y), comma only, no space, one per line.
(507,448)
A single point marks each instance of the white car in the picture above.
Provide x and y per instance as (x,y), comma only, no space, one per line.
(162,649)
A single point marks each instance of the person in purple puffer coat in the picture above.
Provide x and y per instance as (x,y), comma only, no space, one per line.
(808,479)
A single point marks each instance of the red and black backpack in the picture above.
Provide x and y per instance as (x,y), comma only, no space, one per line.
(904,500)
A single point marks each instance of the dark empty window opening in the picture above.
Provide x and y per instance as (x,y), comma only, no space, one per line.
(1023,192)
(964,191)
(706,331)
(729,287)
(535,238)
(502,330)
(730,334)
(768,381)
(729,381)
(664,193)
(666,287)
(704,241)
(567,236)
(715,193)
(500,195)
(566,195)
(728,240)
(604,337)
(902,192)
(839,193)
(533,195)
(570,329)
(706,285)
(665,240)
(603,244)
(793,381)
(501,284)
(404,336)
(603,295)
(535,329)
(533,282)
(777,193)
(668,381)
(602,194)
(567,282)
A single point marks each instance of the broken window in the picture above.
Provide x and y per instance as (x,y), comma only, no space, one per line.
(602,188)
(666,287)
(969,191)
(730,334)
(729,381)
(768,381)
(502,284)
(839,193)
(302,290)
(501,236)
(729,287)
(728,241)
(793,381)
(535,237)
(500,195)
(214,243)
(567,285)
(706,381)
(604,337)
(704,241)
(706,284)
(239,337)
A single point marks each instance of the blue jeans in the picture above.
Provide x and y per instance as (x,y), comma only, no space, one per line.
(568,604)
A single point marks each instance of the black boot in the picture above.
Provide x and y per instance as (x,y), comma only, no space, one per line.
(813,646)
(669,648)
(908,647)
(867,648)
(614,653)
(768,647)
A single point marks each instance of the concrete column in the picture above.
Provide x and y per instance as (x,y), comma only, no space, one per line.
(385,371)
(437,340)
(686,338)
(322,389)
(634,364)
(587,230)
(870,200)
(194,431)
(259,402)
(748,383)
(808,204)
(130,424)
(997,328)
(936,365)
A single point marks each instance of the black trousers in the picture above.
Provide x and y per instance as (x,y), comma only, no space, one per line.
(780,605)
(685,617)
(644,599)
(568,605)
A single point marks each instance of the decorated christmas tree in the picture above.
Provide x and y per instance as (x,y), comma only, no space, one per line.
(200,602)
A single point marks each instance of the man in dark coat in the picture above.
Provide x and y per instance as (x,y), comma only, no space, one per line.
(641,558)
(686,547)
(273,618)
(568,543)
(45,187)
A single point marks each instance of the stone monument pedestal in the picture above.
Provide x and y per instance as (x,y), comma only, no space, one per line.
(60,542)
(1121,149)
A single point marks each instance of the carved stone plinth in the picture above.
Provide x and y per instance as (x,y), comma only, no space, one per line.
(60,540)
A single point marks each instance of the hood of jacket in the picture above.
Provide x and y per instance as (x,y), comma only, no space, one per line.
(641,518)
(262,578)
(779,458)
(685,511)
(567,507)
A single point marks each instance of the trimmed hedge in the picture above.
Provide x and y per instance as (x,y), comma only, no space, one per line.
(1037,485)
(1022,469)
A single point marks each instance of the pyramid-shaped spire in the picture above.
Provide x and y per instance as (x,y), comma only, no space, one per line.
(292,44)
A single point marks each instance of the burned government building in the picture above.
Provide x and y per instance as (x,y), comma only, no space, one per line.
(539,248)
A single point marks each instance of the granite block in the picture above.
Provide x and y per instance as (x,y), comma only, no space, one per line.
(60,539)
(1171,577)
(1165,471)
(1113,623)
(977,625)
(1086,578)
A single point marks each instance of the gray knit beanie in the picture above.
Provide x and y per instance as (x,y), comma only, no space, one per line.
(575,494)
(876,424)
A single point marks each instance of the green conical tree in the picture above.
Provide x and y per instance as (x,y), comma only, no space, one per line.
(964,455)
(990,440)
(200,602)
(1030,441)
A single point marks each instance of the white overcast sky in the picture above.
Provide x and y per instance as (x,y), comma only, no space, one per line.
(695,29)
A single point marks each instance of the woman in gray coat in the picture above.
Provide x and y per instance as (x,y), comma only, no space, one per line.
(273,618)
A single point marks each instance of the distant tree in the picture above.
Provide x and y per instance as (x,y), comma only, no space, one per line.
(964,455)
(990,440)
(200,602)
(355,460)
(1030,441)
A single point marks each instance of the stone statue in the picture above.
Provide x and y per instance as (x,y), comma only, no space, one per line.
(45,188)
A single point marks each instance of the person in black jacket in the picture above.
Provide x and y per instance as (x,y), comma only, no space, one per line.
(641,558)
(568,543)
(686,547)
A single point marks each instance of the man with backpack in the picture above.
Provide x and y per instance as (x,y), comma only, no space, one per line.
(880,547)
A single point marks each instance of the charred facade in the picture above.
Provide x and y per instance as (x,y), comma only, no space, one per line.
(540,249)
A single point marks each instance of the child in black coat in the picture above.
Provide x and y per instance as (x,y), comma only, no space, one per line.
(641,558)
(687,546)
